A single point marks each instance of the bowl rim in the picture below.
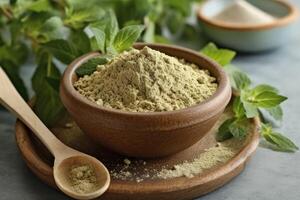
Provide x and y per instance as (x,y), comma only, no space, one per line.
(289,18)
(223,86)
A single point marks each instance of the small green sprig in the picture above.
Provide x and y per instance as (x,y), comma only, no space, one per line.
(90,66)
(110,41)
(277,140)
(249,102)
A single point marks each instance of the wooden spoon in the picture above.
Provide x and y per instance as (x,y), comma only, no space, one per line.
(65,157)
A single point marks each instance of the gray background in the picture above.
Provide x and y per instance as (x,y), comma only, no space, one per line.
(269,176)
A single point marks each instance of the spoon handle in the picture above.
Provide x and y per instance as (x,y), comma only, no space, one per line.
(11,99)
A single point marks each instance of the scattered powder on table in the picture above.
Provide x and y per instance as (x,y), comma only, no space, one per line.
(147,80)
(134,170)
(244,13)
(83,179)
(212,157)
(127,161)
(69,125)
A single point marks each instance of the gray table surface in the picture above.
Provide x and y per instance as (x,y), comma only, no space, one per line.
(269,176)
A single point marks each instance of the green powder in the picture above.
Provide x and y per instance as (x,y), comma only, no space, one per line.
(83,179)
(212,157)
(147,80)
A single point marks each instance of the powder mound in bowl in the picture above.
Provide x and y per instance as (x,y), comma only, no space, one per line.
(243,13)
(83,179)
(147,81)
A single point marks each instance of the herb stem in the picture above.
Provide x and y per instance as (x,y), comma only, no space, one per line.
(49,65)
(6,12)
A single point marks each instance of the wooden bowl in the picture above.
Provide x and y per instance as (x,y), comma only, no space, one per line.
(147,134)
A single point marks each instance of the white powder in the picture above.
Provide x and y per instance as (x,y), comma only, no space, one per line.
(242,12)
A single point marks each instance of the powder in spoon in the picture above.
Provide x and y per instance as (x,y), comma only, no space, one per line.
(244,13)
(147,80)
(83,179)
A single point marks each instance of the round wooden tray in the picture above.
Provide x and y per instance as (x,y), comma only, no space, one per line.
(40,161)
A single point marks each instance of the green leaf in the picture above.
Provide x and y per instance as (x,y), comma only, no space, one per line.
(264,88)
(276,112)
(32,22)
(174,22)
(15,29)
(109,25)
(94,44)
(40,6)
(238,79)
(13,73)
(265,96)
(1,38)
(52,29)
(16,54)
(149,35)
(191,32)
(54,82)
(79,18)
(233,127)
(161,39)
(266,129)
(241,80)
(135,10)
(133,22)
(81,41)
(12,2)
(111,28)
(183,7)
(238,108)
(90,4)
(268,99)
(262,96)
(91,65)
(250,108)
(224,132)
(44,69)
(281,142)
(63,50)
(222,56)
(126,37)
(239,128)
(99,36)
(45,82)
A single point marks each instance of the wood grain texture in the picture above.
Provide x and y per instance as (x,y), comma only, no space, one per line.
(147,134)
(181,188)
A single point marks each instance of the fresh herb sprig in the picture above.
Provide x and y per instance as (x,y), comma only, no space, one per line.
(57,30)
(249,102)
(110,41)
(62,30)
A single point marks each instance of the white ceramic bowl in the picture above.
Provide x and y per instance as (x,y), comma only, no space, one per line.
(249,38)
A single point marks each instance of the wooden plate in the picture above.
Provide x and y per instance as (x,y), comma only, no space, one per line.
(40,161)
